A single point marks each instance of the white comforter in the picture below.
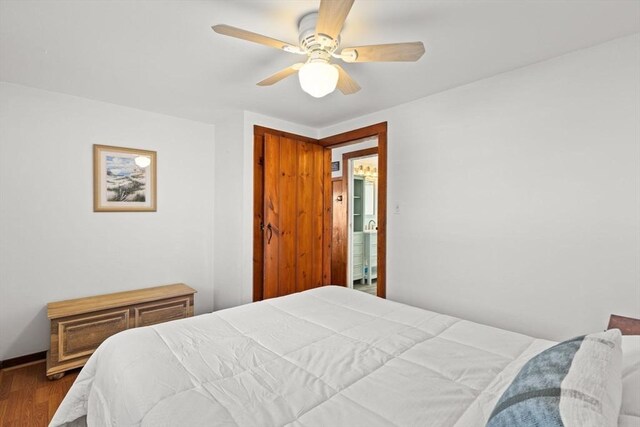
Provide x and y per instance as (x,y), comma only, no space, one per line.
(326,357)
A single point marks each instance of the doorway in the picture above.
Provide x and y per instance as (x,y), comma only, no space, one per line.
(293,245)
(362,212)
(342,264)
(354,261)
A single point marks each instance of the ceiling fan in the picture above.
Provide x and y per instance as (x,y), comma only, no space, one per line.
(319,40)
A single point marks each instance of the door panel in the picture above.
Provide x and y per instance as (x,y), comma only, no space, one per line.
(295,249)
(287,218)
(271,235)
(304,276)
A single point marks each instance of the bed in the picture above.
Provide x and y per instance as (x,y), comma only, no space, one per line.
(330,356)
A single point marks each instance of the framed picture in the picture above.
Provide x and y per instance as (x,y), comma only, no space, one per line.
(124,179)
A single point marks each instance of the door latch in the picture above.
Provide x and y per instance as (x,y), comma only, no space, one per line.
(269,233)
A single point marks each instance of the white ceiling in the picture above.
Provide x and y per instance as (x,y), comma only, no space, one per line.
(162,55)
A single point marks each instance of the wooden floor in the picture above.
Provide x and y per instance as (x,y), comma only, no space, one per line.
(370,289)
(28,398)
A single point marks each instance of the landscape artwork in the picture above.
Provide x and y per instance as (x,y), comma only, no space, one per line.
(124,179)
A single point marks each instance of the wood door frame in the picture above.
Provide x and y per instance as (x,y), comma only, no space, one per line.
(334,141)
(353,137)
(342,212)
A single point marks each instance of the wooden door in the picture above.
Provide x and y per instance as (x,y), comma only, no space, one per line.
(296,234)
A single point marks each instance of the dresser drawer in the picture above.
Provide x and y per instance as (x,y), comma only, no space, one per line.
(81,335)
(162,311)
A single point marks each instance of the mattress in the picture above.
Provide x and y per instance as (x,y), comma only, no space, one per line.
(330,356)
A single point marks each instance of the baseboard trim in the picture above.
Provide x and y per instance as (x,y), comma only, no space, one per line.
(23,360)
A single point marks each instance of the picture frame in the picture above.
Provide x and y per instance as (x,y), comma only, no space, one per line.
(124,179)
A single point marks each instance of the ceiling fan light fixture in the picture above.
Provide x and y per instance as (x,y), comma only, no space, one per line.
(319,40)
(318,78)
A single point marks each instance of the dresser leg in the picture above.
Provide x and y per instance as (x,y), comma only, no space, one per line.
(55,376)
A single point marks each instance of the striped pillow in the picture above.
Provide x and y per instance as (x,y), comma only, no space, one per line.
(576,383)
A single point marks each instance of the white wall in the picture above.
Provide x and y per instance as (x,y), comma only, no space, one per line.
(53,246)
(228,263)
(520,195)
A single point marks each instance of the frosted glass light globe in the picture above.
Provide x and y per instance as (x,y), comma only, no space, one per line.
(142,161)
(318,78)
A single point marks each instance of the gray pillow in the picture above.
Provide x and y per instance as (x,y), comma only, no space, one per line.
(574,383)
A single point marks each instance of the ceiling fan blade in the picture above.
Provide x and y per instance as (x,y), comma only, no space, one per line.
(346,84)
(239,33)
(282,74)
(384,52)
(331,17)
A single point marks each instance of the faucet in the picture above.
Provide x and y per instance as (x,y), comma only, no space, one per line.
(369,224)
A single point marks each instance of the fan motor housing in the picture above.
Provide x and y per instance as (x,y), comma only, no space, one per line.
(322,46)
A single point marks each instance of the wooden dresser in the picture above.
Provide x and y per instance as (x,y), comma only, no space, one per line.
(79,326)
